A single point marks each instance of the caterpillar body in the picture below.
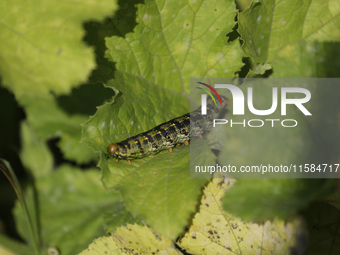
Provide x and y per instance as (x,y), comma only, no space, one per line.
(165,136)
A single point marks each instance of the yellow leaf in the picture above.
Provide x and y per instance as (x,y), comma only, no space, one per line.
(132,239)
(215,231)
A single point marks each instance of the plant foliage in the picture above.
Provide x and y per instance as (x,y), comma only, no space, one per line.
(133,60)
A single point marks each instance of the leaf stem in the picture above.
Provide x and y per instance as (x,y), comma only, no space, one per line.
(7,170)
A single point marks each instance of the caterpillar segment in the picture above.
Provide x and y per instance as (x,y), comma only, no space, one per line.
(165,136)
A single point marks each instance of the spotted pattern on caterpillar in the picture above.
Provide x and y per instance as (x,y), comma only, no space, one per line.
(168,134)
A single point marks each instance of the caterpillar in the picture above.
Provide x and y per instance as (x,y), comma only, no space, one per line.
(165,136)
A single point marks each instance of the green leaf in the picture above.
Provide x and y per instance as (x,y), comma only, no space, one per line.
(157,188)
(72,149)
(254,199)
(35,154)
(47,119)
(291,35)
(244,4)
(178,41)
(70,203)
(41,47)
(121,23)
(258,70)
(51,117)
(215,231)
(13,247)
(72,110)
(311,141)
(118,218)
(201,147)
(132,239)
(172,43)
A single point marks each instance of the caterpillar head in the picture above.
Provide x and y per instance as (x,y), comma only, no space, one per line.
(112,150)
